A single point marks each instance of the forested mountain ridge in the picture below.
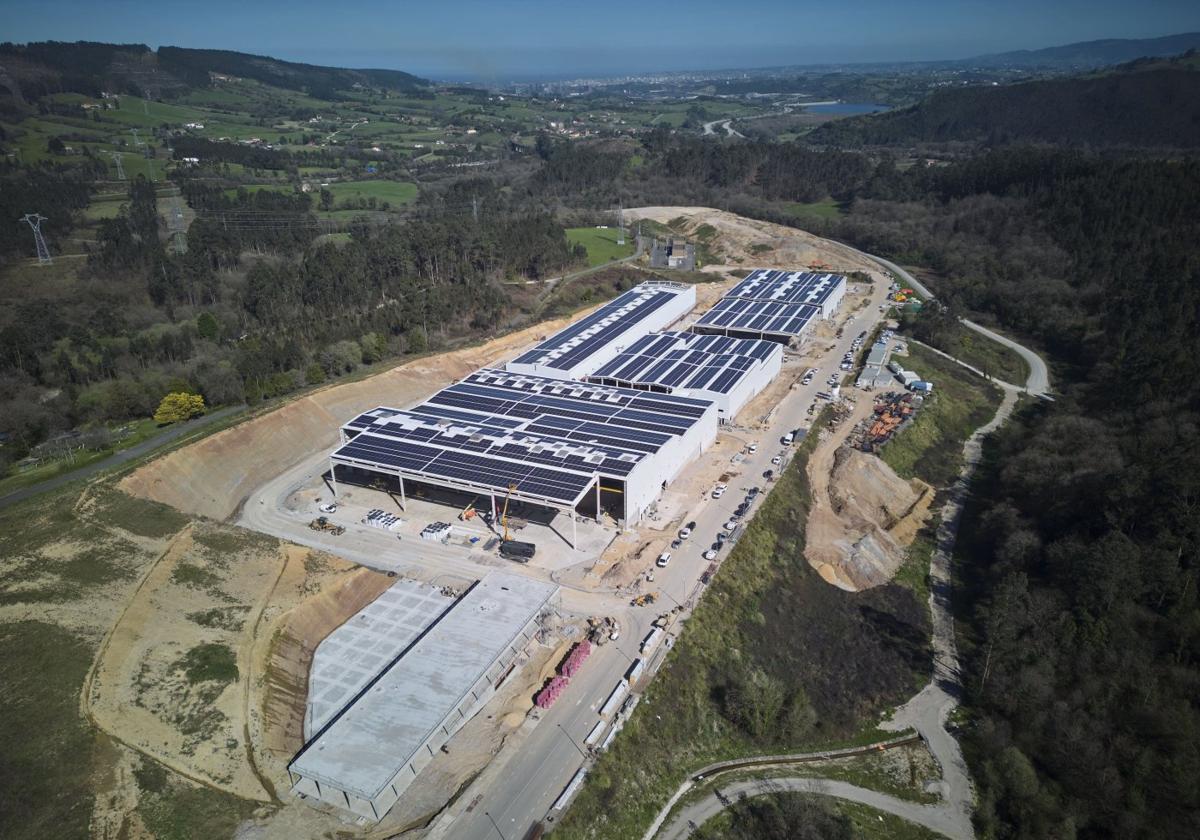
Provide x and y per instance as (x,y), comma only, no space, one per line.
(1084,54)
(1156,108)
(92,68)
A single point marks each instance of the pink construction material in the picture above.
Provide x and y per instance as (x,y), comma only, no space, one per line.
(546,697)
(575,659)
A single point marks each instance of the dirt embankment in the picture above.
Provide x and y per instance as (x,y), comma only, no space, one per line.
(286,643)
(213,476)
(863,515)
(741,242)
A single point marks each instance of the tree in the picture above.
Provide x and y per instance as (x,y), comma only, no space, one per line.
(176,407)
(208,326)
(326,199)
(55,146)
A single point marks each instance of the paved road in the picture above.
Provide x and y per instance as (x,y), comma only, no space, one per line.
(698,812)
(1038,382)
(725,124)
(122,457)
(519,787)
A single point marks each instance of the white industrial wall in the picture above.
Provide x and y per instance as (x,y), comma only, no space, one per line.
(753,384)
(661,318)
(644,482)
(829,307)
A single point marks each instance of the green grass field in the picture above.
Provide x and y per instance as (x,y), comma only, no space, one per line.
(395,192)
(931,448)
(601,244)
(824,209)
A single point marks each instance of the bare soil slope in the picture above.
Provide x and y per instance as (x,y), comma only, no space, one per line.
(863,515)
(213,476)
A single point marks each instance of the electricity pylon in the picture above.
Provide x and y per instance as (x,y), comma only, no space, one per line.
(116,156)
(34,220)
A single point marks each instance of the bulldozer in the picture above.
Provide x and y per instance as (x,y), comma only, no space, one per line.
(645,599)
(322,523)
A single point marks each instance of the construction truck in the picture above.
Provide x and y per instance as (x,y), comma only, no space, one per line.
(322,523)
(644,599)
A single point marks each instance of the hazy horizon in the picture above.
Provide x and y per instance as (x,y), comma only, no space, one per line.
(488,42)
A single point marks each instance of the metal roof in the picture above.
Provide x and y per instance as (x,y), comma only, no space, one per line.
(573,344)
(771,302)
(372,739)
(552,438)
(691,361)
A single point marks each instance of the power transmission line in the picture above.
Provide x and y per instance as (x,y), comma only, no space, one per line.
(116,156)
(34,220)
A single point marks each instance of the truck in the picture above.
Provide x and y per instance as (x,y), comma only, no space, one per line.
(520,552)
(921,387)
(788,438)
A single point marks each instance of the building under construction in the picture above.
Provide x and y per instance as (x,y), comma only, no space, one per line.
(423,666)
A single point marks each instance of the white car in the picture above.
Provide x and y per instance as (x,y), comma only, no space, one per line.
(684,533)
(663,559)
(752,448)
(718,491)
(711,554)
(730,525)
(327,507)
(777,460)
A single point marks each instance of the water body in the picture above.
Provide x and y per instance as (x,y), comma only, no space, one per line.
(845,109)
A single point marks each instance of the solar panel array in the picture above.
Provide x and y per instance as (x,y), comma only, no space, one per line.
(687,361)
(550,437)
(771,302)
(572,345)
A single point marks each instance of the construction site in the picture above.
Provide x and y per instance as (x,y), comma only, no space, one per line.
(506,526)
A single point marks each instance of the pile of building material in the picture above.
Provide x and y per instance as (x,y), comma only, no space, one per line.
(892,412)
(545,698)
(377,518)
(437,531)
(574,660)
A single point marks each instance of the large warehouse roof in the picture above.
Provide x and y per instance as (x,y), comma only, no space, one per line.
(350,657)
(649,306)
(375,737)
(786,286)
(549,437)
(757,317)
(687,361)
(773,304)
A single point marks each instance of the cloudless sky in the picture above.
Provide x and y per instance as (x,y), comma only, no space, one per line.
(501,39)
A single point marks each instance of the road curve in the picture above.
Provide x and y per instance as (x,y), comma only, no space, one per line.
(1038,382)
(931,816)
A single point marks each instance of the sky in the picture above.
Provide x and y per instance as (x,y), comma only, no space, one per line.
(498,40)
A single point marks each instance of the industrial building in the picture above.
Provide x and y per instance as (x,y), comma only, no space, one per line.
(775,305)
(728,371)
(352,656)
(577,350)
(365,756)
(565,445)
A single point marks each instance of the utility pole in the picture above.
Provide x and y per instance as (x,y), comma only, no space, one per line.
(116,156)
(34,220)
(475,209)
(620,224)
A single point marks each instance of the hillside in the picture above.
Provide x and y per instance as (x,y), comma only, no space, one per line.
(1149,108)
(31,71)
(1087,54)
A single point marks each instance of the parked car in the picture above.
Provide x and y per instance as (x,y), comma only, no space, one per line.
(753,447)
(769,475)
(718,491)
(684,533)
(676,543)
(777,460)
(663,559)
(730,525)
(710,554)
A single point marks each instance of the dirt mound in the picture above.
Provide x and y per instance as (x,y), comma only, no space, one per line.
(213,476)
(754,244)
(864,516)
